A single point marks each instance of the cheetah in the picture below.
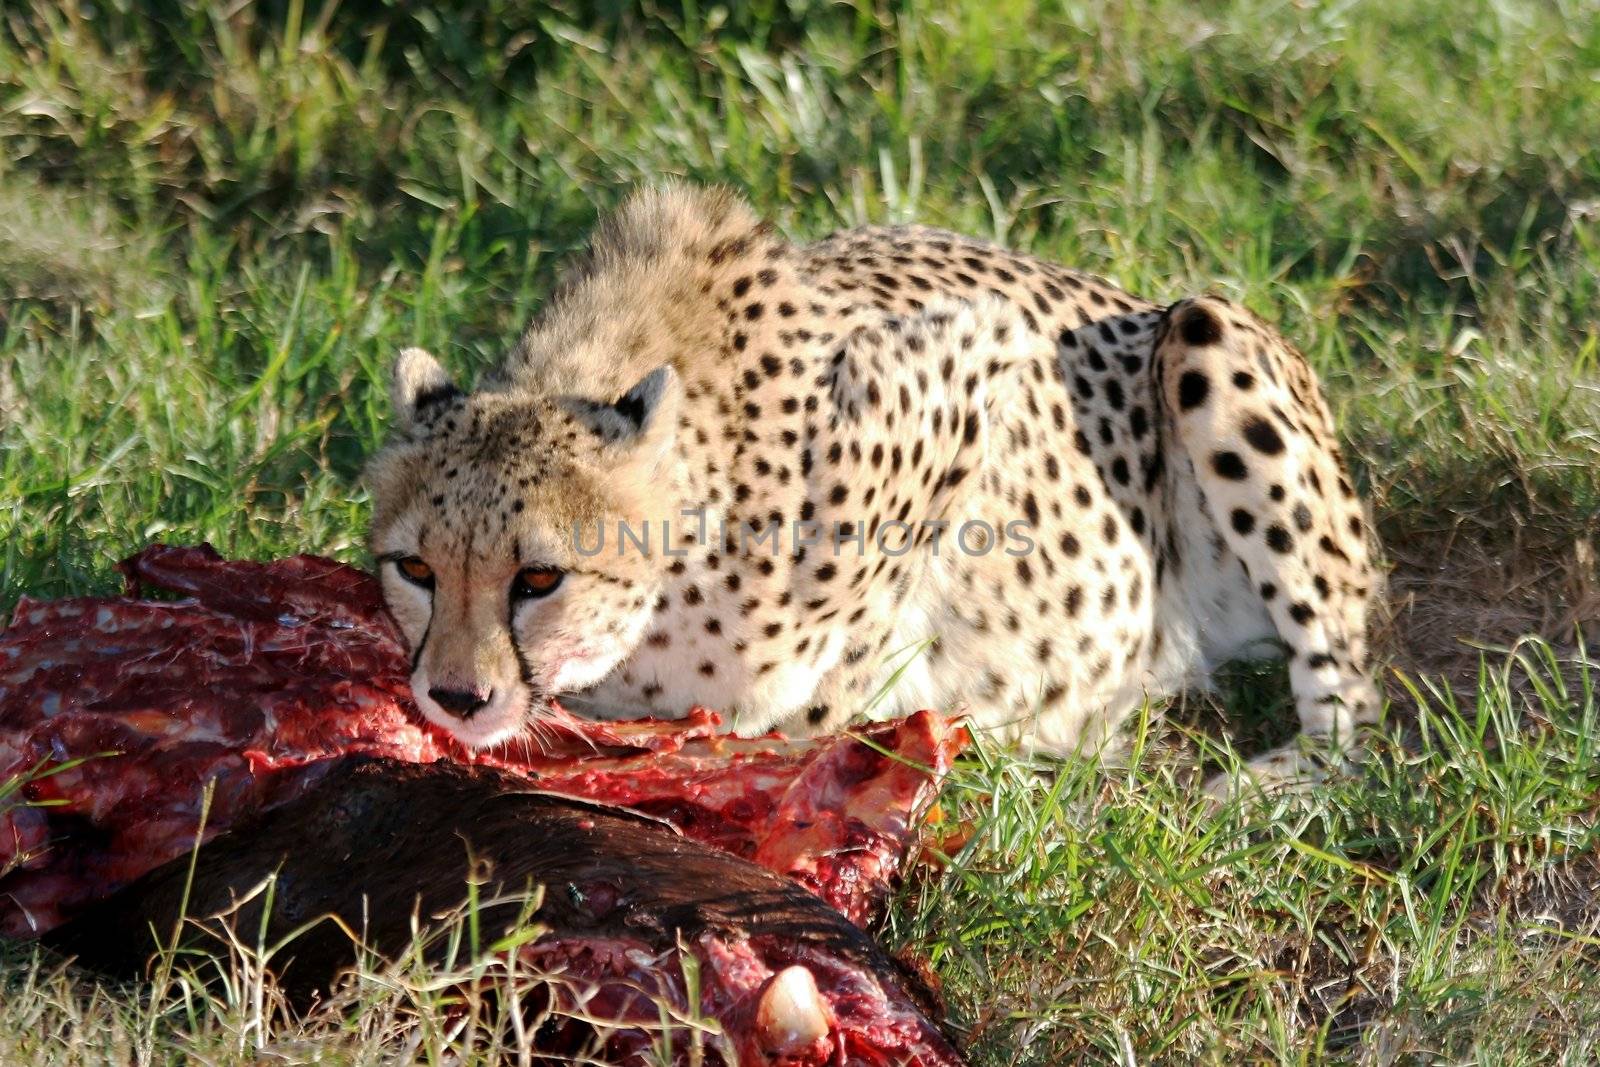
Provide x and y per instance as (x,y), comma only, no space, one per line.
(723,469)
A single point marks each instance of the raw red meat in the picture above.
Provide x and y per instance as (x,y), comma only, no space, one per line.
(636,917)
(126,716)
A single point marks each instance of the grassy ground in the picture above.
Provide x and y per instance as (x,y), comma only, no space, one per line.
(218,222)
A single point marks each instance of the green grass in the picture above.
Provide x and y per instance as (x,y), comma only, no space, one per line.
(217,228)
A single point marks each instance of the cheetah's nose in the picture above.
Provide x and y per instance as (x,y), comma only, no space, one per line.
(462,703)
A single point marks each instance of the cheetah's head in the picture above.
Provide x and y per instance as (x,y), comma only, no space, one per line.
(486,510)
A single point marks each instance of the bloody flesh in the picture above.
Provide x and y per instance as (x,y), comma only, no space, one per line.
(239,696)
(627,904)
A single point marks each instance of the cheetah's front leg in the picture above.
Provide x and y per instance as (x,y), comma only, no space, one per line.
(1246,410)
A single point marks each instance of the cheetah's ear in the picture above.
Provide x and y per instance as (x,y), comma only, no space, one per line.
(416,384)
(637,413)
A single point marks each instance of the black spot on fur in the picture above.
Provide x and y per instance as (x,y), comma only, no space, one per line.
(1229,466)
(1199,327)
(1262,435)
(1193,388)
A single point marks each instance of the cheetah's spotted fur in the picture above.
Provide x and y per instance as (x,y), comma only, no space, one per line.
(1175,469)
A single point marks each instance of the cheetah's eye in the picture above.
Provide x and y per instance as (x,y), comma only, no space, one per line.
(533,582)
(413,570)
